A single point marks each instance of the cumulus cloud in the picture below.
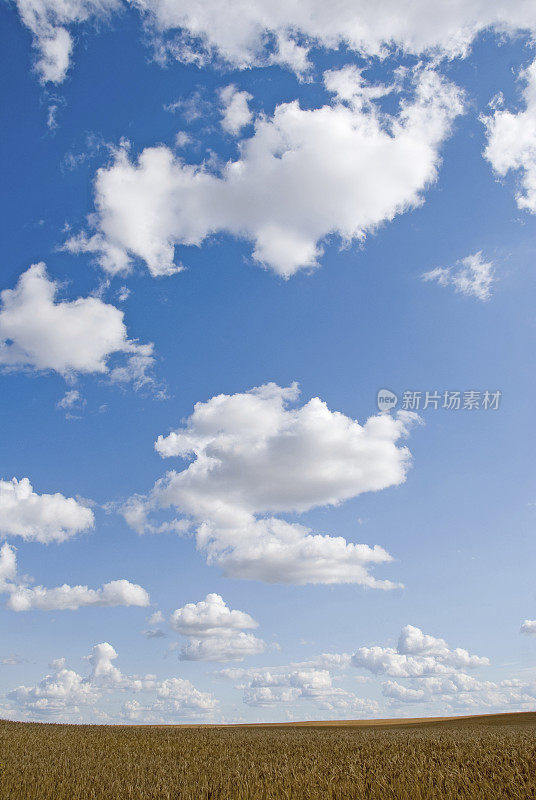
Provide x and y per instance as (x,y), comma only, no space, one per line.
(416,654)
(471,276)
(264,32)
(40,517)
(294,684)
(22,597)
(236,113)
(511,142)
(304,175)
(215,632)
(47,21)
(434,674)
(209,618)
(221,648)
(252,454)
(63,693)
(40,332)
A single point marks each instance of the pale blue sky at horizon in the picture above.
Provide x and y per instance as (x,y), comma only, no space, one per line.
(250,226)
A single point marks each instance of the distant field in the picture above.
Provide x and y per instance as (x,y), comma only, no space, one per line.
(485,757)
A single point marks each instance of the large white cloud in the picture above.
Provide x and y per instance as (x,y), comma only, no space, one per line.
(39,331)
(215,632)
(40,517)
(22,597)
(253,454)
(511,142)
(304,174)
(262,32)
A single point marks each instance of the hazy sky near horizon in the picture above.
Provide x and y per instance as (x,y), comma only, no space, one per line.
(225,234)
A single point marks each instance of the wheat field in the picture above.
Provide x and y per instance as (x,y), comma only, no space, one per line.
(483,758)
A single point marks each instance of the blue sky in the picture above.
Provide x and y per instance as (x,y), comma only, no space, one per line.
(303,263)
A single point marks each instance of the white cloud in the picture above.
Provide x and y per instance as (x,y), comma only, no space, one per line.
(154,633)
(40,517)
(471,276)
(512,141)
(216,632)
(210,617)
(236,113)
(68,336)
(304,175)
(253,454)
(70,399)
(60,598)
(416,655)
(297,683)
(434,674)
(46,19)
(461,692)
(261,32)
(529,626)
(223,648)
(64,693)
(8,567)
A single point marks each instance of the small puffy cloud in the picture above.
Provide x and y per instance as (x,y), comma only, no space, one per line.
(304,175)
(177,695)
(471,276)
(223,648)
(253,454)
(216,632)
(47,20)
(60,598)
(236,113)
(154,633)
(511,144)
(40,332)
(209,618)
(40,517)
(417,654)
(8,567)
(70,400)
(529,627)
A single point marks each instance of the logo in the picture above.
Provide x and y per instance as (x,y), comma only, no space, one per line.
(386,400)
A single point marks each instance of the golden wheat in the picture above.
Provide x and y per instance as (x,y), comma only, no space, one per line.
(423,762)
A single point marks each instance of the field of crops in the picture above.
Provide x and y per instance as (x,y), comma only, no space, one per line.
(485,759)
